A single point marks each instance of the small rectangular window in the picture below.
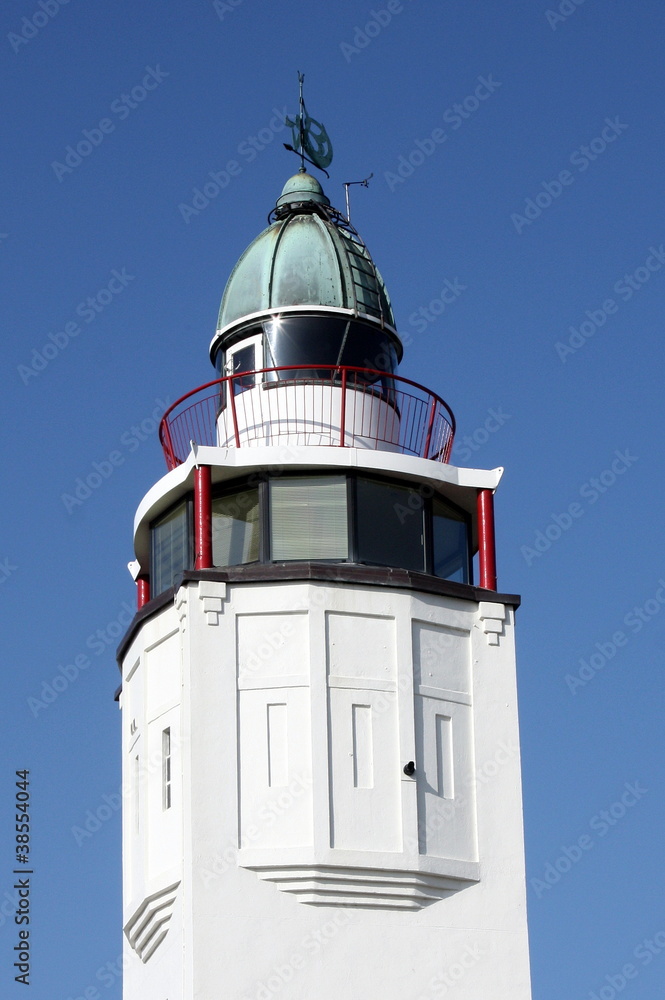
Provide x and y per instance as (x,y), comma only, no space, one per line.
(308,518)
(171,548)
(166,769)
(235,528)
(243,361)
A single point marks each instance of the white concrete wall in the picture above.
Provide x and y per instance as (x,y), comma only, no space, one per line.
(309,864)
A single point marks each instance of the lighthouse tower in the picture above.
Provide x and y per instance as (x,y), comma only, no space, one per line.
(320,746)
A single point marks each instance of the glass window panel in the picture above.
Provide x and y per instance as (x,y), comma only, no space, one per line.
(243,361)
(235,528)
(308,518)
(390,522)
(171,548)
(450,542)
(326,340)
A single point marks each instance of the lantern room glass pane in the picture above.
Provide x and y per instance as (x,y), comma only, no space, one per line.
(308,518)
(326,340)
(390,524)
(450,543)
(171,548)
(235,528)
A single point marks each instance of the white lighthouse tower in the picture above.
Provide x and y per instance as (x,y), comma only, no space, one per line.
(320,742)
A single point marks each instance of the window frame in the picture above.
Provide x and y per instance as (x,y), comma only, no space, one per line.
(262,481)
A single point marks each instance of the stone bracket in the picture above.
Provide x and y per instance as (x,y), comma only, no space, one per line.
(492,617)
(212,596)
(148,926)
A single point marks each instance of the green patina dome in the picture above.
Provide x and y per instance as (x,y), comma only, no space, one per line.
(308,256)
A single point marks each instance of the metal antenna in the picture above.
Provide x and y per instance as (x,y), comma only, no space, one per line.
(301,80)
(347,185)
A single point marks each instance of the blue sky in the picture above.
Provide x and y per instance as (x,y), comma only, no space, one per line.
(539,196)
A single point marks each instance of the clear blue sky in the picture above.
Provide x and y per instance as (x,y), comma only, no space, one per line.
(542,197)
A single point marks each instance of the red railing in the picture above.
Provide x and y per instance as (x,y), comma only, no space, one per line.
(369,409)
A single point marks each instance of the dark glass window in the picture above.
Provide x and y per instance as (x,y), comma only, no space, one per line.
(243,361)
(235,528)
(326,340)
(308,518)
(390,524)
(450,543)
(171,548)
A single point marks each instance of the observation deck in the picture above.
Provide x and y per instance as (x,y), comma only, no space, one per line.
(327,405)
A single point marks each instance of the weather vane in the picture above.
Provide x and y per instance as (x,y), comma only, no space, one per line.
(310,140)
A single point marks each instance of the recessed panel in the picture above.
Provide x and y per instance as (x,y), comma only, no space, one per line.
(446,789)
(365,801)
(441,657)
(275,768)
(271,646)
(361,646)
(162,673)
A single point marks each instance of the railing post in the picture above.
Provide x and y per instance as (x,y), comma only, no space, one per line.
(430,426)
(202,517)
(486,546)
(342,429)
(231,389)
(142,591)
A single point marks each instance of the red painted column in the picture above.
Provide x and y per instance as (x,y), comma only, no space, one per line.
(142,591)
(486,546)
(202,517)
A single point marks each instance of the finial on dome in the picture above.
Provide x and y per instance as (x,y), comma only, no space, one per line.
(302,187)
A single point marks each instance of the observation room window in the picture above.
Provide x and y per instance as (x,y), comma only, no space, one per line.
(390,525)
(171,547)
(308,518)
(450,543)
(337,518)
(235,528)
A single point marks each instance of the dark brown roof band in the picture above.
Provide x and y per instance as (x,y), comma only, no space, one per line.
(374,576)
